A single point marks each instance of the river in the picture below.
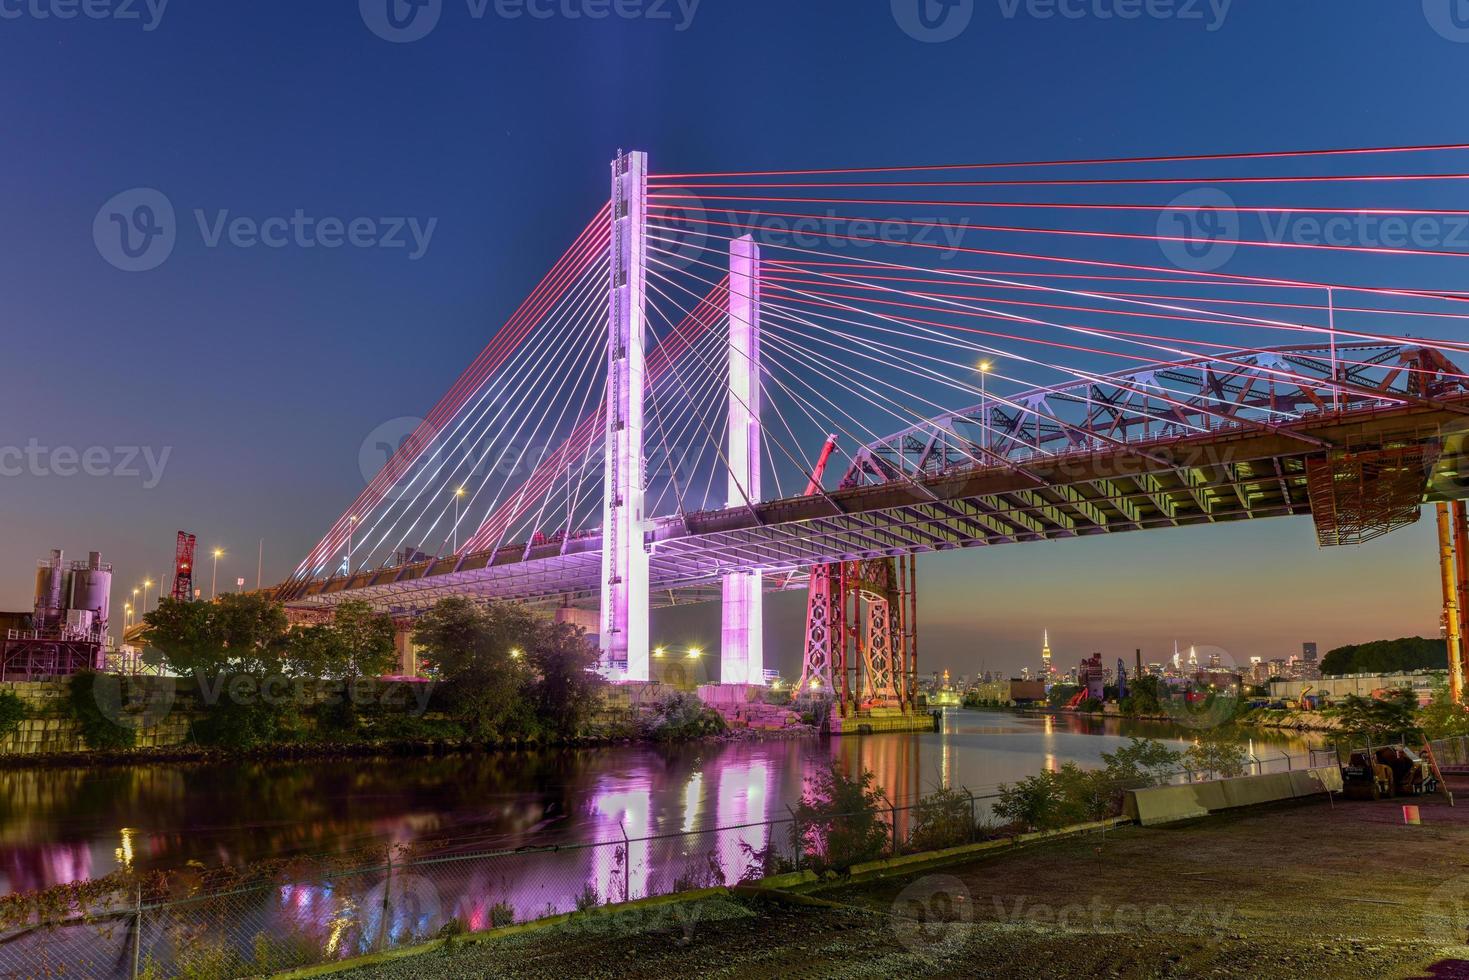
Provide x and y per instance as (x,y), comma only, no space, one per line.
(63,825)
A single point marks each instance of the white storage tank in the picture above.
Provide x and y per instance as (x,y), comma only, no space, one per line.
(91,589)
(51,594)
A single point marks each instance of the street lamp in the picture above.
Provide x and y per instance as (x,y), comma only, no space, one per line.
(214,576)
(147,584)
(458,496)
(695,653)
(985,367)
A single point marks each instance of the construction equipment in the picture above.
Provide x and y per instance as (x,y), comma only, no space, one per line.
(183,568)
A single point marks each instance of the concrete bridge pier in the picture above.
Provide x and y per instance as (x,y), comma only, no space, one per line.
(742,656)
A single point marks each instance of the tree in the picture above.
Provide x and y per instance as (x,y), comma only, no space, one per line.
(1142,762)
(365,639)
(356,643)
(1380,719)
(1218,754)
(565,686)
(1442,718)
(480,654)
(238,633)
(1387,657)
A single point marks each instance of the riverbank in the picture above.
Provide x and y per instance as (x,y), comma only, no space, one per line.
(1359,895)
(1314,722)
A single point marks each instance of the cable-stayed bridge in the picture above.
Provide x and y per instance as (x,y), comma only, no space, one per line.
(729,380)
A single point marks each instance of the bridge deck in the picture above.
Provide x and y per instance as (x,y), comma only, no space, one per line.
(1235,472)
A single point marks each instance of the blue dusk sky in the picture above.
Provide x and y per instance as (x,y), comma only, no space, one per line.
(248,378)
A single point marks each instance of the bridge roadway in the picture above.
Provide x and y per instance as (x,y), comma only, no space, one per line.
(1235,471)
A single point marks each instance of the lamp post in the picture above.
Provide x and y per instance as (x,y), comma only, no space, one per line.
(458,496)
(135,598)
(147,584)
(214,576)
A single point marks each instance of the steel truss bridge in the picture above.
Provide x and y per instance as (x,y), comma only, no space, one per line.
(766,347)
(913,492)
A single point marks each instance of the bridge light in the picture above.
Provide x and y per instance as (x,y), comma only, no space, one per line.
(660,652)
(985,367)
(695,653)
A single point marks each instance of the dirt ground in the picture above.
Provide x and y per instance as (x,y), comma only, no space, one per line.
(1296,890)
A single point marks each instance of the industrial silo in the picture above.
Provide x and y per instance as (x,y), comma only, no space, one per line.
(91,589)
(50,592)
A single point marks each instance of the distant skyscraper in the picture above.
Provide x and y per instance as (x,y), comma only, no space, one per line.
(1046,653)
(1308,652)
(1193,657)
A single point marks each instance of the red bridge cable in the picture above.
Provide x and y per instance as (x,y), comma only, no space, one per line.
(554,284)
(1087,182)
(1112,235)
(1096,161)
(1234,278)
(1057,205)
(583,438)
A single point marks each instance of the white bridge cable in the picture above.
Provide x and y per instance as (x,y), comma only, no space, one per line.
(475,420)
(908,331)
(768,439)
(585,355)
(563,320)
(910,325)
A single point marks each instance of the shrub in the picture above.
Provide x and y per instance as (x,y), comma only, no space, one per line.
(944,818)
(839,821)
(1218,754)
(681,716)
(12,713)
(101,730)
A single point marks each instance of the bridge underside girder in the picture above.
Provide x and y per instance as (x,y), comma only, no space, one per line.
(1230,475)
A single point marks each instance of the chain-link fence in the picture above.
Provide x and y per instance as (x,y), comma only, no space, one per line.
(299,915)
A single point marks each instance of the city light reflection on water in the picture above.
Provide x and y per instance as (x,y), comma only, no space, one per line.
(67,825)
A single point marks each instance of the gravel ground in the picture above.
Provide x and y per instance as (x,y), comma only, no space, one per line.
(1301,890)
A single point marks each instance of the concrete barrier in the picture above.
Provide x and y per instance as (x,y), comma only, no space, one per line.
(1166,804)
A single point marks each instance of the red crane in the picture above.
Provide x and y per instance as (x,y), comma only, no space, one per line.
(183,568)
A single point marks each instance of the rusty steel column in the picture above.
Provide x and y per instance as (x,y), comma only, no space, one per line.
(1450,605)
